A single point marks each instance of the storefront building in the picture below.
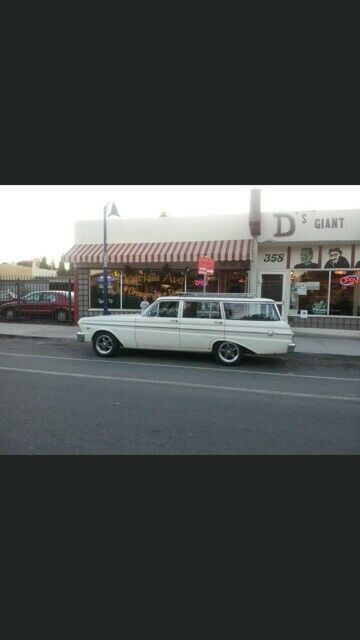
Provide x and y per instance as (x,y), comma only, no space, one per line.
(158,256)
(309,262)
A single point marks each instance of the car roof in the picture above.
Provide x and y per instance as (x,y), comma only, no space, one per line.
(49,291)
(216,297)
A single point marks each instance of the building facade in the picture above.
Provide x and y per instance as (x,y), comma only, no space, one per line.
(158,256)
(309,262)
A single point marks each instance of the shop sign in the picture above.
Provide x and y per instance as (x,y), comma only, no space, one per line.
(349,281)
(206,265)
(311,226)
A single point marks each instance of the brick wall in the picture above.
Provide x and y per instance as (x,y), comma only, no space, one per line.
(321,322)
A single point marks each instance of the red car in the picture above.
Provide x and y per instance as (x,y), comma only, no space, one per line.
(40,305)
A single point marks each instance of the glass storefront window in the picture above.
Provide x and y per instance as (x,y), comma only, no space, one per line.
(344,300)
(195,282)
(324,293)
(309,291)
(136,283)
(235,282)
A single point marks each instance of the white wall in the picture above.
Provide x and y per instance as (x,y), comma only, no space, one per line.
(222,227)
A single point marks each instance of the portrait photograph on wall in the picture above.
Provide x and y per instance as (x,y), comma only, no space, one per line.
(305,258)
(336,257)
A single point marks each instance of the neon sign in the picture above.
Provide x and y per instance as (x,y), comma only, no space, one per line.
(349,281)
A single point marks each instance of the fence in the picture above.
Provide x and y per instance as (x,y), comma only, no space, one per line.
(39,299)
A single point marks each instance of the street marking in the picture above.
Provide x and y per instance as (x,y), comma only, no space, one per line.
(192,385)
(219,369)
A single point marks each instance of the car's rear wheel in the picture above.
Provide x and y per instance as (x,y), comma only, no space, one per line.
(228,353)
(61,315)
(105,344)
(10,314)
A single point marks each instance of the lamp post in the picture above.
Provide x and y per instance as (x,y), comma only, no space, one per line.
(113,212)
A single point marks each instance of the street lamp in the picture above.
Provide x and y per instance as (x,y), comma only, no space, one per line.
(113,212)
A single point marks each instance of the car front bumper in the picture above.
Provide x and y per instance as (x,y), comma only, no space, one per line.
(291,347)
(80,336)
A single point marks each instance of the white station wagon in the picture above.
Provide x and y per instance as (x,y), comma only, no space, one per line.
(229,326)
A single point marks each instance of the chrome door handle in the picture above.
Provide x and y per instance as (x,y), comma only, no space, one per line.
(218,322)
(270,333)
(173,320)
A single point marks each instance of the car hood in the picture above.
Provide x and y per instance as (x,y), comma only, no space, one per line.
(110,319)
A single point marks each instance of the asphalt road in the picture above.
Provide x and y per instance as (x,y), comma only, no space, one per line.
(57,397)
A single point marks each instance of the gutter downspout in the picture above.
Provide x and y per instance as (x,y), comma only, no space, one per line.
(255,230)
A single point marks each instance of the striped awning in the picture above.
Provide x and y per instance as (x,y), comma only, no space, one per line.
(152,252)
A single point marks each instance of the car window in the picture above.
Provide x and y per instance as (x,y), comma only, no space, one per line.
(201,309)
(164,309)
(32,297)
(250,311)
(48,297)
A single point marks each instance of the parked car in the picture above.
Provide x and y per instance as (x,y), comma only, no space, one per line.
(6,296)
(40,305)
(229,326)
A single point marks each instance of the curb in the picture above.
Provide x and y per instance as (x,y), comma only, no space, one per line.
(23,337)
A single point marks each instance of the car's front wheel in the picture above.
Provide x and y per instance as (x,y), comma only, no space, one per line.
(105,344)
(228,353)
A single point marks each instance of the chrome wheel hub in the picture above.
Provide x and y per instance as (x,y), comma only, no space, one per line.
(104,344)
(229,352)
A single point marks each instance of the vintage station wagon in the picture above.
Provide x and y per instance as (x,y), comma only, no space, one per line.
(229,326)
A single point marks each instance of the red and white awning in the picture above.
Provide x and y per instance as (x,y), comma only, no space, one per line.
(152,252)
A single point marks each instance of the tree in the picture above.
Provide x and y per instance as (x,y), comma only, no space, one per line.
(61,271)
(44,264)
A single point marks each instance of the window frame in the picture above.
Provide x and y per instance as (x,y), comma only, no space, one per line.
(198,301)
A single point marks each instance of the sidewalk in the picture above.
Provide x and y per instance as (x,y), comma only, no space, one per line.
(319,341)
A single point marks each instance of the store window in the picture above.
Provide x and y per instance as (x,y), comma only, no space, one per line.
(126,288)
(309,292)
(195,282)
(328,293)
(235,282)
(97,289)
(344,294)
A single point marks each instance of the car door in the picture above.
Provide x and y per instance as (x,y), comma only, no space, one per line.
(48,302)
(201,325)
(30,305)
(158,328)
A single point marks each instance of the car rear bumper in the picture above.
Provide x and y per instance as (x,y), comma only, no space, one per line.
(291,347)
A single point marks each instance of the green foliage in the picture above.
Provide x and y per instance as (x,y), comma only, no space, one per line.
(61,271)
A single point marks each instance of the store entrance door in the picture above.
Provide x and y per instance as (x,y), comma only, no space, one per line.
(272,286)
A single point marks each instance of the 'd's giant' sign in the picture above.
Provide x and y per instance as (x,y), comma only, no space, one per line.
(311,226)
